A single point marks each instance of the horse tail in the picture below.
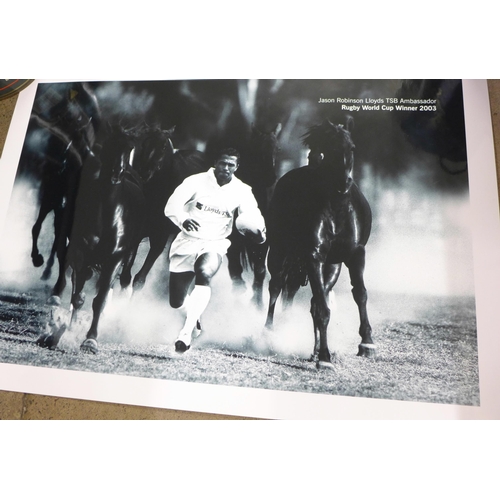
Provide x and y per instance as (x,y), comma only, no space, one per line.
(294,275)
(48,268)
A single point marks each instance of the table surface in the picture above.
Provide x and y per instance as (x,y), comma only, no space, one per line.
(23,406)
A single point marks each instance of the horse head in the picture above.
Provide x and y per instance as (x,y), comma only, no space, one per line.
(332,149)
(153,151)
(263,149)
(115,155)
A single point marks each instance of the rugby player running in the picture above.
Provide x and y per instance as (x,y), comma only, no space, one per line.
(204,207)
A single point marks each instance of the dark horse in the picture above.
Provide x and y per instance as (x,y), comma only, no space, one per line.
(161,169)
(319,219)
(257,169)
(153,161)
(107,227)
(71,125)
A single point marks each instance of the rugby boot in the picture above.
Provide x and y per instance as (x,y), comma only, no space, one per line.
(183,342)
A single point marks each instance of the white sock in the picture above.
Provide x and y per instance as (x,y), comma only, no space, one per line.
(196,303)
(183,309)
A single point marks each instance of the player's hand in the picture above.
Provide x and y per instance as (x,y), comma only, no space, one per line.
(190,225)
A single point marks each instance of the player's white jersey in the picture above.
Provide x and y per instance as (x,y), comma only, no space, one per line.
(201,198)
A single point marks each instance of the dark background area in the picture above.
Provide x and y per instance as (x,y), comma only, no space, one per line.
(210,113)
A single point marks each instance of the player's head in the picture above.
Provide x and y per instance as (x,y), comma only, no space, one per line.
(226,165)
(230,152)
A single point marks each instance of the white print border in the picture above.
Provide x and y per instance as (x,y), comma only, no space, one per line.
(265,403)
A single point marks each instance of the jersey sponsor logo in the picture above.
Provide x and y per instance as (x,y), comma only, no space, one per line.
(214,210)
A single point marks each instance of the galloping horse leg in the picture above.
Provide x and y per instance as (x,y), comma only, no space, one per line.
(57,323)
(274,292)
(258,256)
(78,278)
(50,263)
(126,274)
(332,273)
(45,208)
(108,273)
(320,313)
(164,231)
(157,244)
(235,268)
(61,248)
(55,326)
(57,234)
(61,279)
(275,263)
(356,267)
(64,223)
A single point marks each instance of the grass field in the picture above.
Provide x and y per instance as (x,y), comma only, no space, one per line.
(426,349)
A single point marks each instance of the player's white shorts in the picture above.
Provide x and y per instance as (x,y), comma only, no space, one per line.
(184,251)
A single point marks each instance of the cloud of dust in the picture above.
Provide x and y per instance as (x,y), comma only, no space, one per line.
(117,101)
(16,268)
(421,240)
(420,244)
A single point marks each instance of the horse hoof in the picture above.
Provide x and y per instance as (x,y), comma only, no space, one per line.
(41,341)
(89,346)
(324,365)
(37,260)
(138,284)
(367,350)
(46,274)
(47,342)
(323,360)
(54,300)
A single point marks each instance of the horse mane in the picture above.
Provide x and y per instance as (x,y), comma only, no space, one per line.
(319,137)
(114,130)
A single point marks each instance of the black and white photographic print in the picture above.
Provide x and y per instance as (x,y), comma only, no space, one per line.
(276,248)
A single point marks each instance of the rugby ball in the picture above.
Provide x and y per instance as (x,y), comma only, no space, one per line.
(252,224)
